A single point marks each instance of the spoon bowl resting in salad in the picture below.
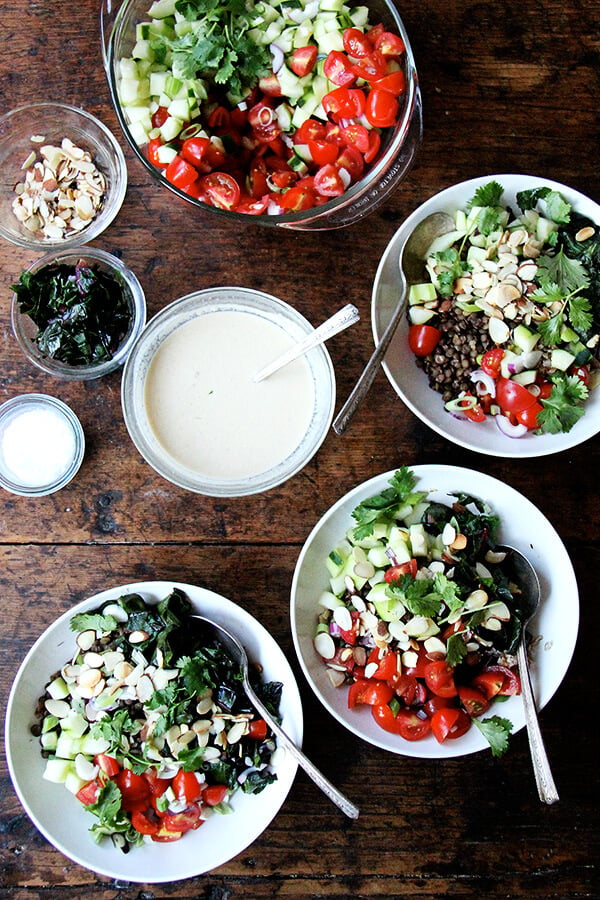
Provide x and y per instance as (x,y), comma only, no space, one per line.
(556,281)
(407,617)
(304,116)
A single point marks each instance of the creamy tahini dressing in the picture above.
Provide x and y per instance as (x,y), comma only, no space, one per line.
(206,410)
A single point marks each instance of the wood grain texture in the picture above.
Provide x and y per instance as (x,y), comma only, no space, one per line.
(511,88)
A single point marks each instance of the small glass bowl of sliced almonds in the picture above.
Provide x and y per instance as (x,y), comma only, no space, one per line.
(64,176)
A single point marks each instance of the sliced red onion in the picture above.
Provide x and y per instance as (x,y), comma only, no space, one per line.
(277,54)
(531,358)
(345,176)
(334,629)
(484,383)
(515,366)
(508,429)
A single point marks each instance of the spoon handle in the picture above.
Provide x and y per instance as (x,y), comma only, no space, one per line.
(366,379)
(541,767)
(311,770)
(342,319)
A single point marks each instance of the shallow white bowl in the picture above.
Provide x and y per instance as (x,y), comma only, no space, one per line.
(410,382)
(523,527)
(61,818)
(180,313)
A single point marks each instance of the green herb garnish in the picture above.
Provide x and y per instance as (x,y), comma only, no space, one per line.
(384,506)
(496,731)
(219,48)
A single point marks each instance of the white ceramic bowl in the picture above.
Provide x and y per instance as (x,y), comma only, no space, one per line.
(410,382)
(65,823)
(56,121)
(523,527)
(255,308)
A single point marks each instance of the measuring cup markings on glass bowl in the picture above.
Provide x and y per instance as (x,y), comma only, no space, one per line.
(411,383)
(554,627)
(264,436)
(118,27)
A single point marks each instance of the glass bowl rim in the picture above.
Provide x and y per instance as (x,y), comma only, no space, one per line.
(45,400)
(301,218)
(138,316)
(114,196)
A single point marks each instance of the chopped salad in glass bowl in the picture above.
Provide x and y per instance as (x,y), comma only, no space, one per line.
(268,109)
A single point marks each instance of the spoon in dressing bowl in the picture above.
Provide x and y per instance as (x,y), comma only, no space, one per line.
(237,652)
(530,585)
(412,267)
(342,319)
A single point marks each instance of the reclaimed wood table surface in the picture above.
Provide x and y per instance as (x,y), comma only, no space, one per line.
(506,88)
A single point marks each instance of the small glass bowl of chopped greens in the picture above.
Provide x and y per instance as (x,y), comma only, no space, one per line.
(64,176)
(77,313)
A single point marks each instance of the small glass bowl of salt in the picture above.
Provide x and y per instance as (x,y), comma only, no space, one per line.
(41,445)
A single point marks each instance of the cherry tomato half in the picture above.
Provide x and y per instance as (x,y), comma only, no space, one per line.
(369,692)
(214,794)
(406,723)
(473,701)
(423,339)
(382,108)
(512,397)
(303,60)
(220,189)
(186,786)
(439,678)
(492,360)
(407,568)
(449,723)
(356,43)
(135,793)
(528,417)
(338,68)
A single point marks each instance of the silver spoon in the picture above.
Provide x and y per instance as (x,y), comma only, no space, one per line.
(529,582)
(342,319)
(237,652)
(412,266)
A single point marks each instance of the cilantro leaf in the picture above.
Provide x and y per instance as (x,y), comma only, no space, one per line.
(563,408)
(496,731)
(569,274)
(93,622)
(114,728)
(418,595)
(456,649)
(451,267)
(382,507)
(218,47)
(580,313)
(488,194)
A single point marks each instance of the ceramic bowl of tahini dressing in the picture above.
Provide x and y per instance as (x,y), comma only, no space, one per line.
(193,409)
